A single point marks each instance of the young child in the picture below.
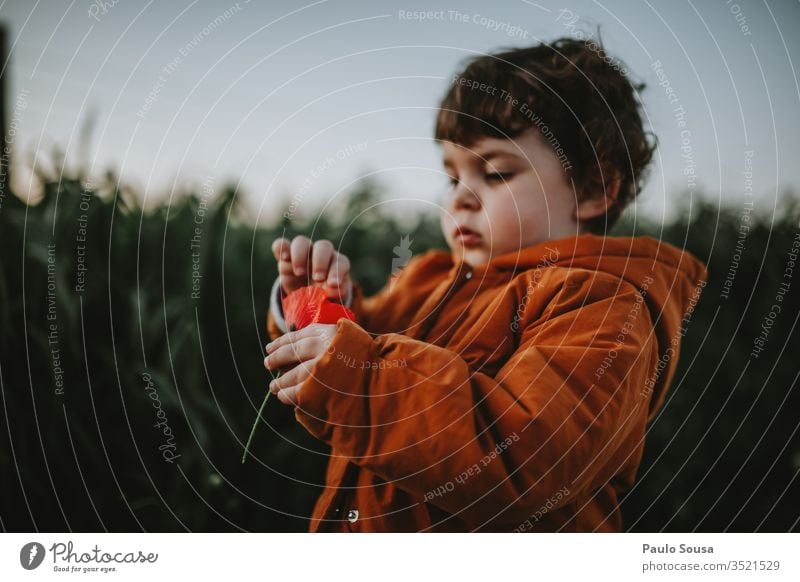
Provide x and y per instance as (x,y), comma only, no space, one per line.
(506,384)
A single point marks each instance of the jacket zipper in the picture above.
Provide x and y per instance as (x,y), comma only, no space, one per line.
(337,510)
(432,317)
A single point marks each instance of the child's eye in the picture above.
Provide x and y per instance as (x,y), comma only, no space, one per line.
(452,180)
(499,176)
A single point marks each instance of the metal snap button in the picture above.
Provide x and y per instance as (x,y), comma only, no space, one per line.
(468,275)
(352,515)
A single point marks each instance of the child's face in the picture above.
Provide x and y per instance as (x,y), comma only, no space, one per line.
(510,193)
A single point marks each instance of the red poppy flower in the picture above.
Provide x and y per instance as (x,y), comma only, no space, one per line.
(308,305)
(301,308)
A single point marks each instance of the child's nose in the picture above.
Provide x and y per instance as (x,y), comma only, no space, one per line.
(465,197)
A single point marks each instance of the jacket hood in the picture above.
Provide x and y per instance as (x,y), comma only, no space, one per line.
(669,278)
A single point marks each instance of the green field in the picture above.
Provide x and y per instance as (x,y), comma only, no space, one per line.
(131,366)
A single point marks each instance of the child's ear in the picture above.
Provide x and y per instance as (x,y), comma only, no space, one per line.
(598,204)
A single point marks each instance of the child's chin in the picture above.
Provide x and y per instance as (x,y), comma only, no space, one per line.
(473,257)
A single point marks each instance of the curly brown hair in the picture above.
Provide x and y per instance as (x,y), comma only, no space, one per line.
(578,97)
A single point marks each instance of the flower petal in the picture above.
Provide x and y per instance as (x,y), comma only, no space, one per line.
(330,312)
(301,306)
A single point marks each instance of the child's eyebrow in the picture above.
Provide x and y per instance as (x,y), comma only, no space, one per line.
(482,157)
(496,154)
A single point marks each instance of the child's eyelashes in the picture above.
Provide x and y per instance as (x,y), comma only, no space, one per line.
(499,176)
(490,177)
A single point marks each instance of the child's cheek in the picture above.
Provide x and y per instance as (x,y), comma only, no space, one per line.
(447,225)
(502,218)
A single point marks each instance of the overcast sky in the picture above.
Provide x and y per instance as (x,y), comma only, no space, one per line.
(298,100)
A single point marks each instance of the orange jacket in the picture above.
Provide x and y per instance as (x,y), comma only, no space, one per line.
(508,397)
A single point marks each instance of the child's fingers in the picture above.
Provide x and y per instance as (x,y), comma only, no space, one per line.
(340,270)
(289,338)
(290,354)
(321,257)
(289,395)
(338,282)
(300,249)
(291,378)
(281,248)
(327,266)
(288,278)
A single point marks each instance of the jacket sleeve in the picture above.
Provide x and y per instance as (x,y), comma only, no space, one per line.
(554,416)
(396,303)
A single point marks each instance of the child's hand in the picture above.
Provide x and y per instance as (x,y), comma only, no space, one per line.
(304,346)
(328,269)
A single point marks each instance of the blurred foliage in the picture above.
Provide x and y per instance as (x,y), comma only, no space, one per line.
(723,454)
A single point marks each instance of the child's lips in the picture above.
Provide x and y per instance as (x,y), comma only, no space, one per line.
(466,237)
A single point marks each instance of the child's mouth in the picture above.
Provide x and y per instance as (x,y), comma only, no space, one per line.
(467,237)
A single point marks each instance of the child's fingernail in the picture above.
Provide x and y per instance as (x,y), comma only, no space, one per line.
(319,276)
(300,271)
(335,281)
(284,256)
(268,346)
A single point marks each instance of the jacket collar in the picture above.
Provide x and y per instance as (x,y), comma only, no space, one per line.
(542,254)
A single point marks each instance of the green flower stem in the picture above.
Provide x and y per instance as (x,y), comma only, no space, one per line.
(255,424)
